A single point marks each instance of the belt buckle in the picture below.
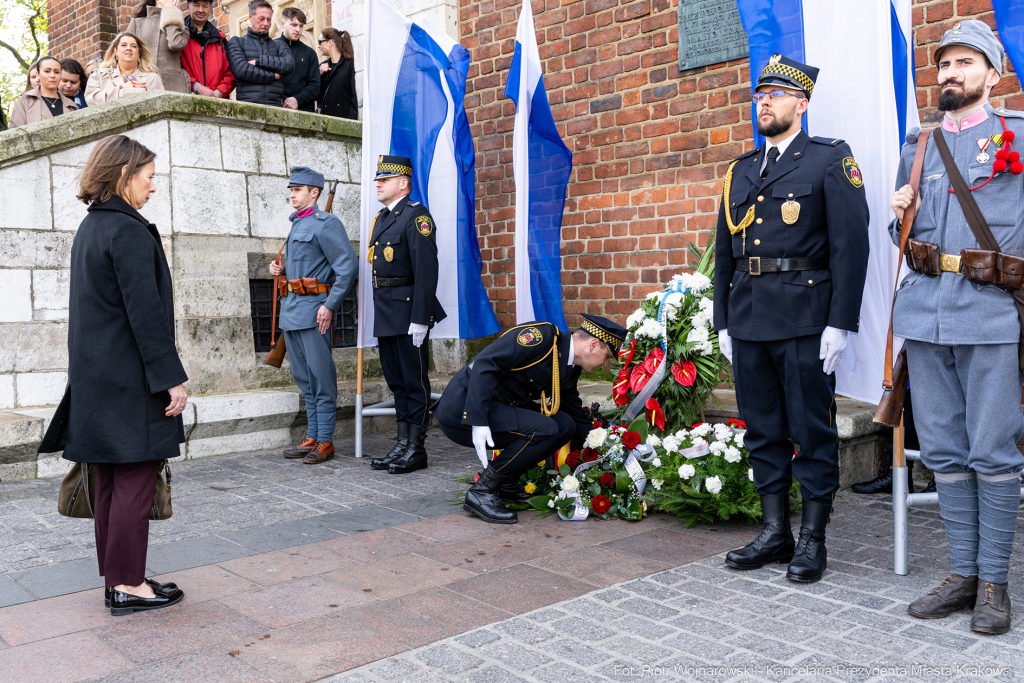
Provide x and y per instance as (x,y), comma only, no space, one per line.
(754,265)
(375,282)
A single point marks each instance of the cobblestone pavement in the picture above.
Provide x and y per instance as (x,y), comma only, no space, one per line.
(704,622)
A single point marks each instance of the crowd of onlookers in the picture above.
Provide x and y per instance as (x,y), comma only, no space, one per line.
(163,49)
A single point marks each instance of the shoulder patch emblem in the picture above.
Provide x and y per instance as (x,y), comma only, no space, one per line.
(424,225)
(852,171)
(531,336)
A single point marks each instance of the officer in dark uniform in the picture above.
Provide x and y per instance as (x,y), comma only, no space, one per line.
(492,402)
(790,262)
(403,259)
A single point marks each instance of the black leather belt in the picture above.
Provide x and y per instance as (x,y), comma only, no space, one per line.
(379,282)
(756,265)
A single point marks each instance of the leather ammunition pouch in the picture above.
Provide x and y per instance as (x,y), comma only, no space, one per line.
(923,257)
(984,267)
(301,285)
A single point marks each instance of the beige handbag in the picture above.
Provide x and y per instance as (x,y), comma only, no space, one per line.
(79,488)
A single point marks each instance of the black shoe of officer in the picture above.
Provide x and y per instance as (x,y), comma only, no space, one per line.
(775,544)
(512,492)
(396,452)
(415,455)
(883,482)
(483,501)
(810,558)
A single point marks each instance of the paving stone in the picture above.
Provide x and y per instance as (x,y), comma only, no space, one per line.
(774,649)
(449,658)
(644,628)
(642,652)
(393,668)
(647,608)
(576,652)
(479,638)
(524,631)
(594,610)
(583,629)
(493,674)
(544,616)
(562,672)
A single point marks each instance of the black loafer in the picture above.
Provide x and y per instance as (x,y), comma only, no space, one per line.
(125,603)
(155,585)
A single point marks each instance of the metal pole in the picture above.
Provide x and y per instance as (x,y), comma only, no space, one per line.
(899,501)
(359,402)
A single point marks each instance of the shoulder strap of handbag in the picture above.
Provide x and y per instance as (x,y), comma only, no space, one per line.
(908,222)
(979,226)
(273,307)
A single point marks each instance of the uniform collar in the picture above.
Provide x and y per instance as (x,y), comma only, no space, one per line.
(392,205)
(308,211)
(950,124)
(782,145)
(572,350)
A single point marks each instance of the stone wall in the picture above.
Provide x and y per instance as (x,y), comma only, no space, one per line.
(221,207)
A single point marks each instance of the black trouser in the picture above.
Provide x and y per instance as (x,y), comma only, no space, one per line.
(783,393)
(405,370)
(537,437)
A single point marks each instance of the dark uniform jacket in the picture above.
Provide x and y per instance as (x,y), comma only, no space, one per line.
(821,175)
(408,232)
(512,372)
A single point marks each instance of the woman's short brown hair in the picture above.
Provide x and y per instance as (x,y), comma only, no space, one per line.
(102,177)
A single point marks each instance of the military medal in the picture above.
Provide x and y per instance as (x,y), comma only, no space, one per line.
(790,212)
(389,254)
(982,156)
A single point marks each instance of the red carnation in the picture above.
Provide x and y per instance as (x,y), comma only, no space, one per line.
(685,372)
(607,480)
(738,424)
(590,455)
(653,360)
(573,459)
(601,504)
(630,440)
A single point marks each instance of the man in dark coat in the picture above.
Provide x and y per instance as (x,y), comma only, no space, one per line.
(492,402)
(403,259)
(302,85)
(786,294)
(258,62)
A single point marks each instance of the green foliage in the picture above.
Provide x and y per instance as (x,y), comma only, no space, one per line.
(27,19)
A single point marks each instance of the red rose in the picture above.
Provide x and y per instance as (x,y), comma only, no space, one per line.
(607,480)
(653,360)
(654,414)
(590,455)
(601,504)
(630,440)
(638,378)
(685,372)
(573,459)
(738,424)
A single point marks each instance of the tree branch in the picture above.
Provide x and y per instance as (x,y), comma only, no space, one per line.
(17,55)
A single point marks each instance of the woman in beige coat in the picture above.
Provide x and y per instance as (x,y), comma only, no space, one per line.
(45,101)
(161,25)
(127,68)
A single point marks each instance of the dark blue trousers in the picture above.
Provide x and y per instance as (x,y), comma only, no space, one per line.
(405,371)
(537,437)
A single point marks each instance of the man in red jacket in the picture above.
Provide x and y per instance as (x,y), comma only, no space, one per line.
(203,57)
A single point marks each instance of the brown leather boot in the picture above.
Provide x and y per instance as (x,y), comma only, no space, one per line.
(302,450)
(992,609)
(323,452)
(955,593)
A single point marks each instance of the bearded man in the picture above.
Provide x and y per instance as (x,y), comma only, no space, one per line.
(963,335)
(786,296)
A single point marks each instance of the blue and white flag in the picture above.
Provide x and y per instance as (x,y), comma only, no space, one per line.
(542,165)
(865,95)
(1010,22)
(415,83)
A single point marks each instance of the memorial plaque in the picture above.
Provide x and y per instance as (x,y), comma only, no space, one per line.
(710,32)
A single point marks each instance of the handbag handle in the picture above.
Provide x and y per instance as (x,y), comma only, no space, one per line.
(908,222)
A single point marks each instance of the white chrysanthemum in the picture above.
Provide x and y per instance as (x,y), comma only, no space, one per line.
(750,474)
(732,454)
(673,302)
(701,429)
(706,305)
(699,283)
(649,328)
(656,483)
(686,471)
(682,434)
(684,278)
(551,503)
(596,437)
(738,439)
(570,484)
(697,335)
(717,447)
(656,462)
(723,432)
(713,484)
(652,440)
(671,443)
(702,320)
(635,318)
(656,295)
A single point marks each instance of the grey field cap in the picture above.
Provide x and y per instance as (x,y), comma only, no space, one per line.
(978,36)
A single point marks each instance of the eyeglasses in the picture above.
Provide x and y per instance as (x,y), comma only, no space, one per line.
(773,95)
(324,40)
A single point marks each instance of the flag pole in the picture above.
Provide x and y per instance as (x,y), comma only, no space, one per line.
(359,402)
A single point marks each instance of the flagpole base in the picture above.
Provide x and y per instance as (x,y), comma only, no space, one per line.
(359,425)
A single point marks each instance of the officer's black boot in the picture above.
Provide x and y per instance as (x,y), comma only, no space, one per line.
(396,452)
(811,558)
(483,501)
(415,455)
(512,492)
(775,544)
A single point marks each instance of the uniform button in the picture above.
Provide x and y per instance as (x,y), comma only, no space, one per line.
(375,243)
(760,198)
(810,282)
(757,242)
(759,221)
(790,194)
(730,285)
(406,298)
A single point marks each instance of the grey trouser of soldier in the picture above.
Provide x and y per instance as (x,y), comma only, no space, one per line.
(309,353)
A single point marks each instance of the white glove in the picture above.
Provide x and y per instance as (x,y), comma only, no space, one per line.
(419,333)
(725,344)
(833,343)
(481,440)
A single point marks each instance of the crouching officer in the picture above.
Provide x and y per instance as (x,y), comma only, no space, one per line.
(403,260)
(790,262)
(321,267)
(491,402)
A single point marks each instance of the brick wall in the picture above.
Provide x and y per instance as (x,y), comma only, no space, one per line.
(650,144)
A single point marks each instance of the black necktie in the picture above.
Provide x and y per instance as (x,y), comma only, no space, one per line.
(387,212)
(773,156)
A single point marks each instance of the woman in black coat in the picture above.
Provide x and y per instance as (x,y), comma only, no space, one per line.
(124,376)
(337,76)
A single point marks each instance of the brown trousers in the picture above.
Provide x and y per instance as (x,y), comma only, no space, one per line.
(124,495)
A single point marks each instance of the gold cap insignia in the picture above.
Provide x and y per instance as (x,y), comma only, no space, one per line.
(957,27)
(380,159)
(776,58)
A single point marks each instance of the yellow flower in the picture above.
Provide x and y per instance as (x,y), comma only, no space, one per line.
(530,488)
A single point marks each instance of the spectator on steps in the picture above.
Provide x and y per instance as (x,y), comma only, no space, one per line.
(44,102)
(33,79)
(204,58)
(338,75)
(302,85)
(127,69)
(161,26)
(258,62)
(73,81)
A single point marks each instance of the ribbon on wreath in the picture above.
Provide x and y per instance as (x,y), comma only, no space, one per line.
(640,402)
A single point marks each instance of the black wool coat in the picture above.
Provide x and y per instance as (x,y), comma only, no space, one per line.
(121,352)
(338,90)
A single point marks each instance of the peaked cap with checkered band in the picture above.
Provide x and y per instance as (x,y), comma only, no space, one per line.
(784,71)
(604,329)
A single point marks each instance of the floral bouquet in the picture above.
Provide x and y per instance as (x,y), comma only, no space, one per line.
(670,361)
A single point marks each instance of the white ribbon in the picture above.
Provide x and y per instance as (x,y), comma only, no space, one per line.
(579,511)
(654,382)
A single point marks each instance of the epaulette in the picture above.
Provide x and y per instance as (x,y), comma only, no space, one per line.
(913,134)
(1012,113)
(756,150)
(412,203)
(831,142)
(321,215)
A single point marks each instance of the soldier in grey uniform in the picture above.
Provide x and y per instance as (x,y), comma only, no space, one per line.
(962,337)
(320,267)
